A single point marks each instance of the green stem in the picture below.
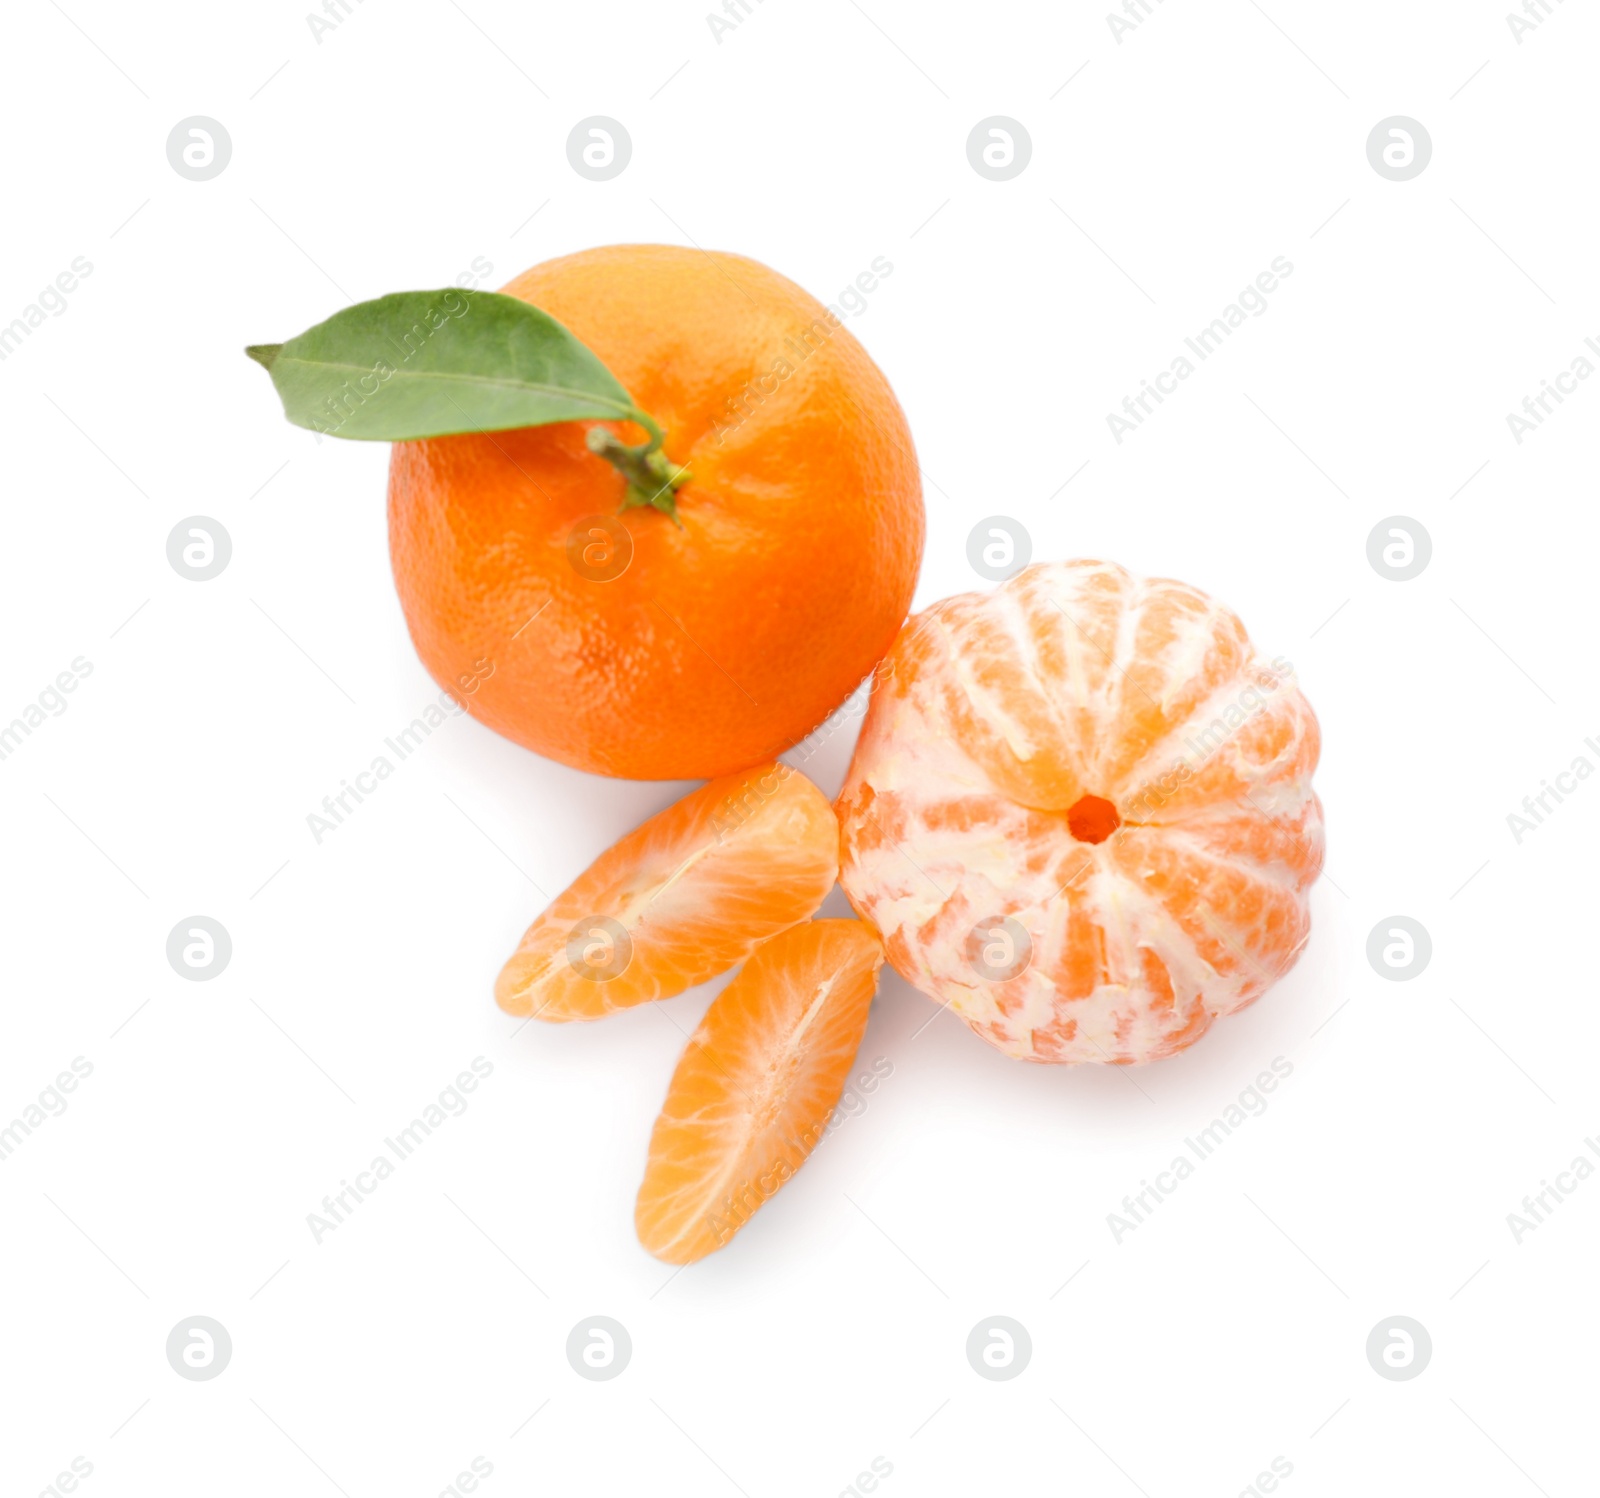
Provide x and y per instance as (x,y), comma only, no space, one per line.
(653,478)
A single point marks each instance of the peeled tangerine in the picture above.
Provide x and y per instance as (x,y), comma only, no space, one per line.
(686,896)
(1081,815)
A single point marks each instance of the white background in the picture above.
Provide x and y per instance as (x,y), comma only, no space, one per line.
(1227,1330)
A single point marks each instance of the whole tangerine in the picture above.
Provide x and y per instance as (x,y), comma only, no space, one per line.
(631,643)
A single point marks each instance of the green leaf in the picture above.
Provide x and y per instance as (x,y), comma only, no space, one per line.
(428,363)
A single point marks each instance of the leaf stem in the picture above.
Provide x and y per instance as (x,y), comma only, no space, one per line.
(653,478)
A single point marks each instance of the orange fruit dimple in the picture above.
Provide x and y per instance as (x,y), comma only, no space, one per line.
(1092,819)
(756,1086)
(625,644)
(682,898)
(1093,782)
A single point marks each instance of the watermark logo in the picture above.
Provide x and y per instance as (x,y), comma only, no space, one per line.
(599,1348)
(599,148)
(1399,1348)
(199,948)
(199,148)
(599,548)
(1399,948)
(999,148)
(998,548)
(199,1348)
(1399,548)
(999,1348)
(599,949)
(999,949)
(1399,148)
(199,548)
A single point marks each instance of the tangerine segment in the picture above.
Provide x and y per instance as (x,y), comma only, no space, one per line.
(684,897)
(756,1086)
(1093,782)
